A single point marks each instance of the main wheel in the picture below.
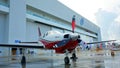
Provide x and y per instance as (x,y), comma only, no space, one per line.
(66,60)
(74,58)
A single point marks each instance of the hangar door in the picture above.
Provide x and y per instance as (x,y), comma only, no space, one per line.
(3,51)
(66,31)
(57,29)
(2,27)
(32,35)
(32,30)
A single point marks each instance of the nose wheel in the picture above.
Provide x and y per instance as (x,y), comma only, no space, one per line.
(66,60)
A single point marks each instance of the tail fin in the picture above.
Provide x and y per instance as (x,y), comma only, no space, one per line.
(39,32)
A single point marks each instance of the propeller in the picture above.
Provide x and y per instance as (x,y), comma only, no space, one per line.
(73,28)
(39,31)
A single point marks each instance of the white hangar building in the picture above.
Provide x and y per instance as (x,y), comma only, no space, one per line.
(19,20)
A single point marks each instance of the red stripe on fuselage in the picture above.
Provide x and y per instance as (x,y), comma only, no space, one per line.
(71,45)
(49,44)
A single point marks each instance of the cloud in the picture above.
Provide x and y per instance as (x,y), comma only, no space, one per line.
(114,31)
(109,23)
(104,13)
(117,19)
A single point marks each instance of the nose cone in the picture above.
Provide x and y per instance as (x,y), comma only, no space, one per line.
(75,37)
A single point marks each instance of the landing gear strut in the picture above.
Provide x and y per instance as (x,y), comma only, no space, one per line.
(74,58)
(66,59)
(23,60)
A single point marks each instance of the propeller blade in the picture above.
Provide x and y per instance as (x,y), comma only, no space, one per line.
(39,31)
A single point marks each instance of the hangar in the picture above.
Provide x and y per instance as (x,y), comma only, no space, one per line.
(20,19)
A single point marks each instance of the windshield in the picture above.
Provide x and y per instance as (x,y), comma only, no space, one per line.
(51,32)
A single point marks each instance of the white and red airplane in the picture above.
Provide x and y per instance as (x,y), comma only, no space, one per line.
(60,42)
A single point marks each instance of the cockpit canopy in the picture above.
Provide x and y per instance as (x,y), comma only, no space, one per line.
(51,33)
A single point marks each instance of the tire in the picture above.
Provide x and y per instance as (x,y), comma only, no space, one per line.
(66,60)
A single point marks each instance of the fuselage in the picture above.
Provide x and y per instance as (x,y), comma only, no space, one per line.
(54,38)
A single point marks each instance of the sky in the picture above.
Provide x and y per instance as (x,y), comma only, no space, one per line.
(104,13)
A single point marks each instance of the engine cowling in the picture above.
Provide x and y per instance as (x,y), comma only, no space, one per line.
(79,40)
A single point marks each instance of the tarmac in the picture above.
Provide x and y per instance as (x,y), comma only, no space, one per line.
(86,59)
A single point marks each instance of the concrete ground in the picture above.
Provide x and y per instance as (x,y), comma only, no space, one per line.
(86,59)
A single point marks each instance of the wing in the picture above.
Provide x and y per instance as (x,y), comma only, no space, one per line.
(23,46)
(28,42)
(101,42)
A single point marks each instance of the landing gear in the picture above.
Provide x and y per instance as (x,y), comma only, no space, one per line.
(66,59)
(23,60)
(74,57)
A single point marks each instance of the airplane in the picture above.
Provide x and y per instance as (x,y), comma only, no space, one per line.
(54,40)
